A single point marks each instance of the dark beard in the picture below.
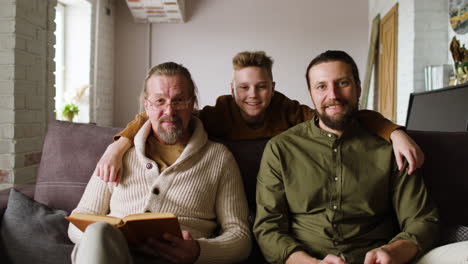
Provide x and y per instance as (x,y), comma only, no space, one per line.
(340,123)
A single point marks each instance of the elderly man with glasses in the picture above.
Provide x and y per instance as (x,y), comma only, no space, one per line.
(173,167)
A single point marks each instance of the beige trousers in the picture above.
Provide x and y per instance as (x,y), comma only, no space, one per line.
(456,253)
(104,244)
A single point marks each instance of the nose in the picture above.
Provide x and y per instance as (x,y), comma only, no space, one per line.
(169,109)
(252,92)
(333,91)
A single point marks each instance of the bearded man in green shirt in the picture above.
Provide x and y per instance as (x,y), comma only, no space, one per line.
(328,191)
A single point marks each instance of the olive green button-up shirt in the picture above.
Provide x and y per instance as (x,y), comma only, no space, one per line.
(337,195)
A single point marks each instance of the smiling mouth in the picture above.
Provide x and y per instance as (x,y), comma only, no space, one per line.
(169,122)
(253,103)
(335,109)
(334,106)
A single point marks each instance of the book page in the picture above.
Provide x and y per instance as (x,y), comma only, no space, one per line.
(143,216)
(83,220)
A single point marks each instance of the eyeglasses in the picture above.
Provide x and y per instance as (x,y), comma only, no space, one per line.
(161,103)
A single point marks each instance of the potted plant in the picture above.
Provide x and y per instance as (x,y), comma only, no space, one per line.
(69,111)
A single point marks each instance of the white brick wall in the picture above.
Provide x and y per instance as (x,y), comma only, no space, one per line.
(102,92)
(7,118)
(26,85)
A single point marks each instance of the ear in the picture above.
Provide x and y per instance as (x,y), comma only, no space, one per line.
(232,90)
(312,98)
(145,105)
(359,89)
(273,84)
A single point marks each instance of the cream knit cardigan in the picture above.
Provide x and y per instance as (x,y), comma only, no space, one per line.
(203,188)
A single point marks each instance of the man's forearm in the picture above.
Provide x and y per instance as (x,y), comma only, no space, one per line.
(299,257)
(402,251)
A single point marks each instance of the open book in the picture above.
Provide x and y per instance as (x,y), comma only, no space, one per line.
(136,228)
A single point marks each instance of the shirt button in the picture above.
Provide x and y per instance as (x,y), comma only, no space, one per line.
(334,225)
(335,242)
(335,150)
(336,178)
(156,191)
(329,135)
(334,207)
(149,166)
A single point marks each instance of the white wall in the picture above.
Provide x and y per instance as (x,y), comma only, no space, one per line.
(291,32)
(102,90)
(131,63)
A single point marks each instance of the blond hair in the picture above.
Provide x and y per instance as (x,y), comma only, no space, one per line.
(170,69)
(253,58)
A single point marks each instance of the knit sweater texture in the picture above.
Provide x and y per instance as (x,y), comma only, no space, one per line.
(203,188)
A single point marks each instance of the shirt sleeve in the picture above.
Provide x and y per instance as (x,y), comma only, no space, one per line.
(132,128)
(218,120)
(95,200)
(234,240)
(377,124)
(271,226)
(296,112)
(417,215)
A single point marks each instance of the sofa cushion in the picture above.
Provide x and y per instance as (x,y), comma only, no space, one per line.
(445,172)
(33,233)
(248,155)
(69,156)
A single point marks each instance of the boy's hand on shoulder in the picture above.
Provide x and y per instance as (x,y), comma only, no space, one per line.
(405,147)
(109,167)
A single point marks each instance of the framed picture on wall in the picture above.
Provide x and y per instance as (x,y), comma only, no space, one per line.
(458,13)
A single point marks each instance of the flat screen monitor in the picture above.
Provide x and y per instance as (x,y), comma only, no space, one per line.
(439,110)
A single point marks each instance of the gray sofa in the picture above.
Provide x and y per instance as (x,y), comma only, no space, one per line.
(32,227)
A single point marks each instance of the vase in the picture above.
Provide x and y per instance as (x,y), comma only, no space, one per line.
(69,117)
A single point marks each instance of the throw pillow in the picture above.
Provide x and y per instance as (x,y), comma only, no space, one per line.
(69,157)
(31,232)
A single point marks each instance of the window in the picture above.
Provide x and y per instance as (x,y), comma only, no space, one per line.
(73,57)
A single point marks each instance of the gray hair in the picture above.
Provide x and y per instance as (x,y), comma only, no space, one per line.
(169,69)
